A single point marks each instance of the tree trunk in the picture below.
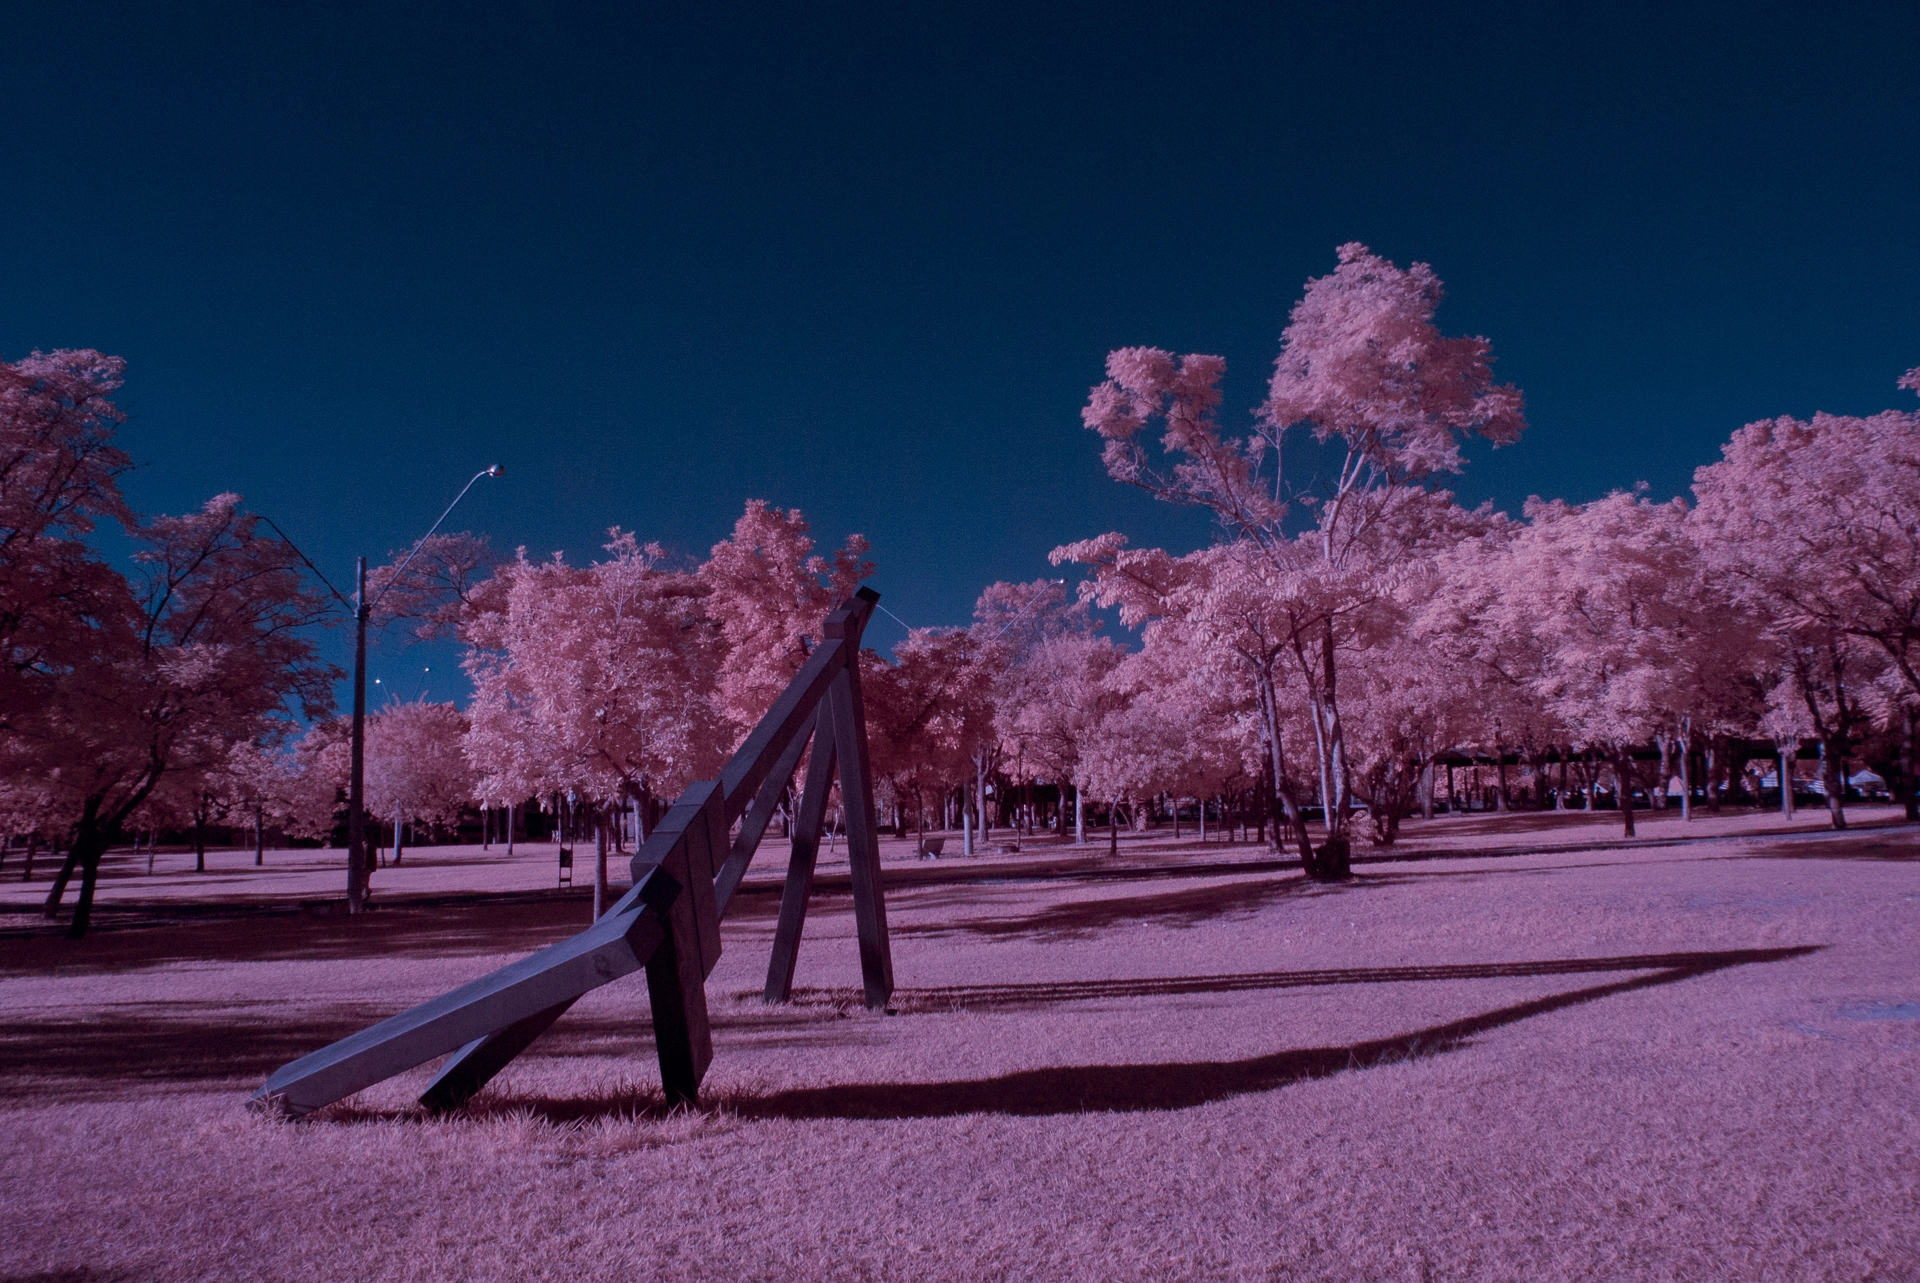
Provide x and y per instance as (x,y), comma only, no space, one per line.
(90,845)
(1664,743)
(1426,790)
(1501,802)
(599,863)
(1786,780)
(259,837)
(1280,796)
(33,848)
(1686,778)
(1833,754)
(510,810)
(90,841)
(399,838)
(980,794)
(200,837)
(1906,766)
(1113,828)
(60,880)
(1079,817)
(1716,763)
(1337,802)
(1623,787)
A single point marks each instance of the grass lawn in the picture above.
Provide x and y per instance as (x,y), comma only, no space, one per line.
(1520,1050)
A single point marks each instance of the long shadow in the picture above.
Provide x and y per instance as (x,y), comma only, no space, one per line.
(1132,1088)
(1084,1089)
(1186,908)
(1085,868)
(138,937)
(1481,823)
(97,1057)
(1870,845)
(1016,996)
(183,1044)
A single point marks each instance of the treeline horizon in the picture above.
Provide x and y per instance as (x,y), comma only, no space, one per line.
(1338,639)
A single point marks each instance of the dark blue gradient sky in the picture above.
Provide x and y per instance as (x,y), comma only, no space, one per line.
(867,261)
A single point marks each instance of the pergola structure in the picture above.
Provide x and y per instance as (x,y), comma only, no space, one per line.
(684,878)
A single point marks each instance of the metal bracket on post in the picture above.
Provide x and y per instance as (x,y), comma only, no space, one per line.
(668,923)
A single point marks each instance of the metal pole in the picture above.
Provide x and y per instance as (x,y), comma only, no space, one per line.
(357,860)
(357,777)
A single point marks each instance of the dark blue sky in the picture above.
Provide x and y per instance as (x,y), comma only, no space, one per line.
(867,261)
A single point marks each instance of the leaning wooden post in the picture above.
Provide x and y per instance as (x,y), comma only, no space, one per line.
(863,830)
(806,851)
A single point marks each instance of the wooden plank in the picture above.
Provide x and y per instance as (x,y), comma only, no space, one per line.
(474,1065)
(806,851)
(677,972)
(706,850)
(753,824)
(677,991)
(618,944)
(863,837)
(748,768)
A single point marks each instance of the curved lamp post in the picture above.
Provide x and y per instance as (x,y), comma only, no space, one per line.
(358,865)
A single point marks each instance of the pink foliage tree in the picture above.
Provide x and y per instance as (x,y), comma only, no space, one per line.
(926,713)
(597,683)
(770,594)
(1816,525)
(205,652)
(1362,364)
(417,768)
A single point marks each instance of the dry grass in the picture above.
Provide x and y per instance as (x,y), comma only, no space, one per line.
(1680,1061)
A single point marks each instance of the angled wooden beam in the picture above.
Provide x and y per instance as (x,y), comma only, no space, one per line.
(863,837)
(678,970)
(690,843)
(753,825)
(474,1065)
(617,945)
(806,851)
(745,771)
(788,719)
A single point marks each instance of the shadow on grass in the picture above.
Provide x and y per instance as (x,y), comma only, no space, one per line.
(1187,908)
(1013,997)
(135,937)
(192,1044)
(1490,823)
(1121,1088)
(1901,844)
(1135,1088)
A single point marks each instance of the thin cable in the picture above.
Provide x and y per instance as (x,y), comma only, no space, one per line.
(895,618)
(1031,602)
(303,556)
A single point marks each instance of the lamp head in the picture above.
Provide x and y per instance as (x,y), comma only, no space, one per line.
(496,471)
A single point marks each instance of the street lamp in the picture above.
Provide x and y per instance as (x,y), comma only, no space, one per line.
(358,866)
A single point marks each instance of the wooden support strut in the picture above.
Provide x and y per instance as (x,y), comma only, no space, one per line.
(806,850)
(684,878)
